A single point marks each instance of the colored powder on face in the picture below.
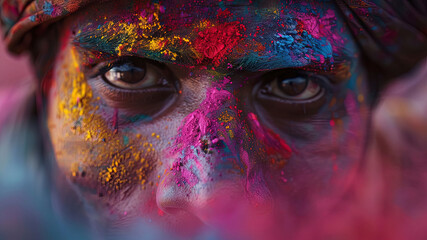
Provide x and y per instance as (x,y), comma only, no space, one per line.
(216,129)
(273,142)
(218,120)
(74,104)
(129,164)
(133,34)
(300,39)
(108,161)
(137,118)
(321,27)
(215,42)
(290,51)
(113,162)
(202,135)
(198,124)
(275,38)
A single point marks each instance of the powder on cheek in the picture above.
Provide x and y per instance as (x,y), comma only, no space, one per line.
(274,144)
(109,159)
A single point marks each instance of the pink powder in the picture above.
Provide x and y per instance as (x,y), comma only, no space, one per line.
(273,142)
(321,27)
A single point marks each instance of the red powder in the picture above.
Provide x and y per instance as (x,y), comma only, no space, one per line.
(215,42)
(223,14)
(115,120)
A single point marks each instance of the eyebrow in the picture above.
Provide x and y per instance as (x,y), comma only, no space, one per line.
(277,50)
(276,58)
(109,44)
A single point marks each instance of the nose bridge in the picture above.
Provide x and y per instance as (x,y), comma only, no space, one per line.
(203,148)
(212,122)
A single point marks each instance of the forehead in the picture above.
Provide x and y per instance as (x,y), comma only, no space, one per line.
(250,35)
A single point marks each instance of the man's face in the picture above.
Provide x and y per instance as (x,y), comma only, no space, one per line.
(209,112)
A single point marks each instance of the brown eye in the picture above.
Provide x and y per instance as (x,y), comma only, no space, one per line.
(290,93)
(133,73)
(293,86)
(125,74)
(136,86)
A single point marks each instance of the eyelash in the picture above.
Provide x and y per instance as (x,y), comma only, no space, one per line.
(120,97)
(282,108)
(323,81)
(102,68)
(151,100)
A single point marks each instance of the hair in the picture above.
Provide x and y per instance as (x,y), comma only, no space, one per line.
(44,47)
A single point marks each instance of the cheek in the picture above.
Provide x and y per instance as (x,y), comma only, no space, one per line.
(92,147)
(333,154)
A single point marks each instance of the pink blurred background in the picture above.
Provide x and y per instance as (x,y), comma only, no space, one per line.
(12,68)
(15,82)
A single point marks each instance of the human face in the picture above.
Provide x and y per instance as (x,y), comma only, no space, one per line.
(208,113)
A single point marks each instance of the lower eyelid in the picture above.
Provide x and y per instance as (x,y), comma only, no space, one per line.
(302,96)
(150,101)
(276,107)
(115,93)
(321,93)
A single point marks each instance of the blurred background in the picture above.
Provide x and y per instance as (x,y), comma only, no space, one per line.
(12,68)
(15,72)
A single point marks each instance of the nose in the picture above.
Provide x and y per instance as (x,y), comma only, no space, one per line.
(173,194)
(185,184)
(208,157)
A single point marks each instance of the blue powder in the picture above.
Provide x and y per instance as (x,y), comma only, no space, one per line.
(125,140)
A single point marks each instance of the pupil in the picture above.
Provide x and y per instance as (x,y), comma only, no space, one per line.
(127,73)
(293,86)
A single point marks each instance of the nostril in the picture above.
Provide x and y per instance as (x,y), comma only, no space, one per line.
(170,197)
(170,201)
(175,201)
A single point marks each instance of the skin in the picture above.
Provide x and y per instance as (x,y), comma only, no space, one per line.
(216,148)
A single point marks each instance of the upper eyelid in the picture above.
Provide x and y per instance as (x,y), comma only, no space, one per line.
(323,80)
(299,71)
(97,70)
(102,67)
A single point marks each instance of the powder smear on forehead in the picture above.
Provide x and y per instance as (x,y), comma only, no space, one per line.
(270,38)
(132,33)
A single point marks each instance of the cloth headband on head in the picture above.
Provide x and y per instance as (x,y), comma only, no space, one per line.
(392,34)
(19,17)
